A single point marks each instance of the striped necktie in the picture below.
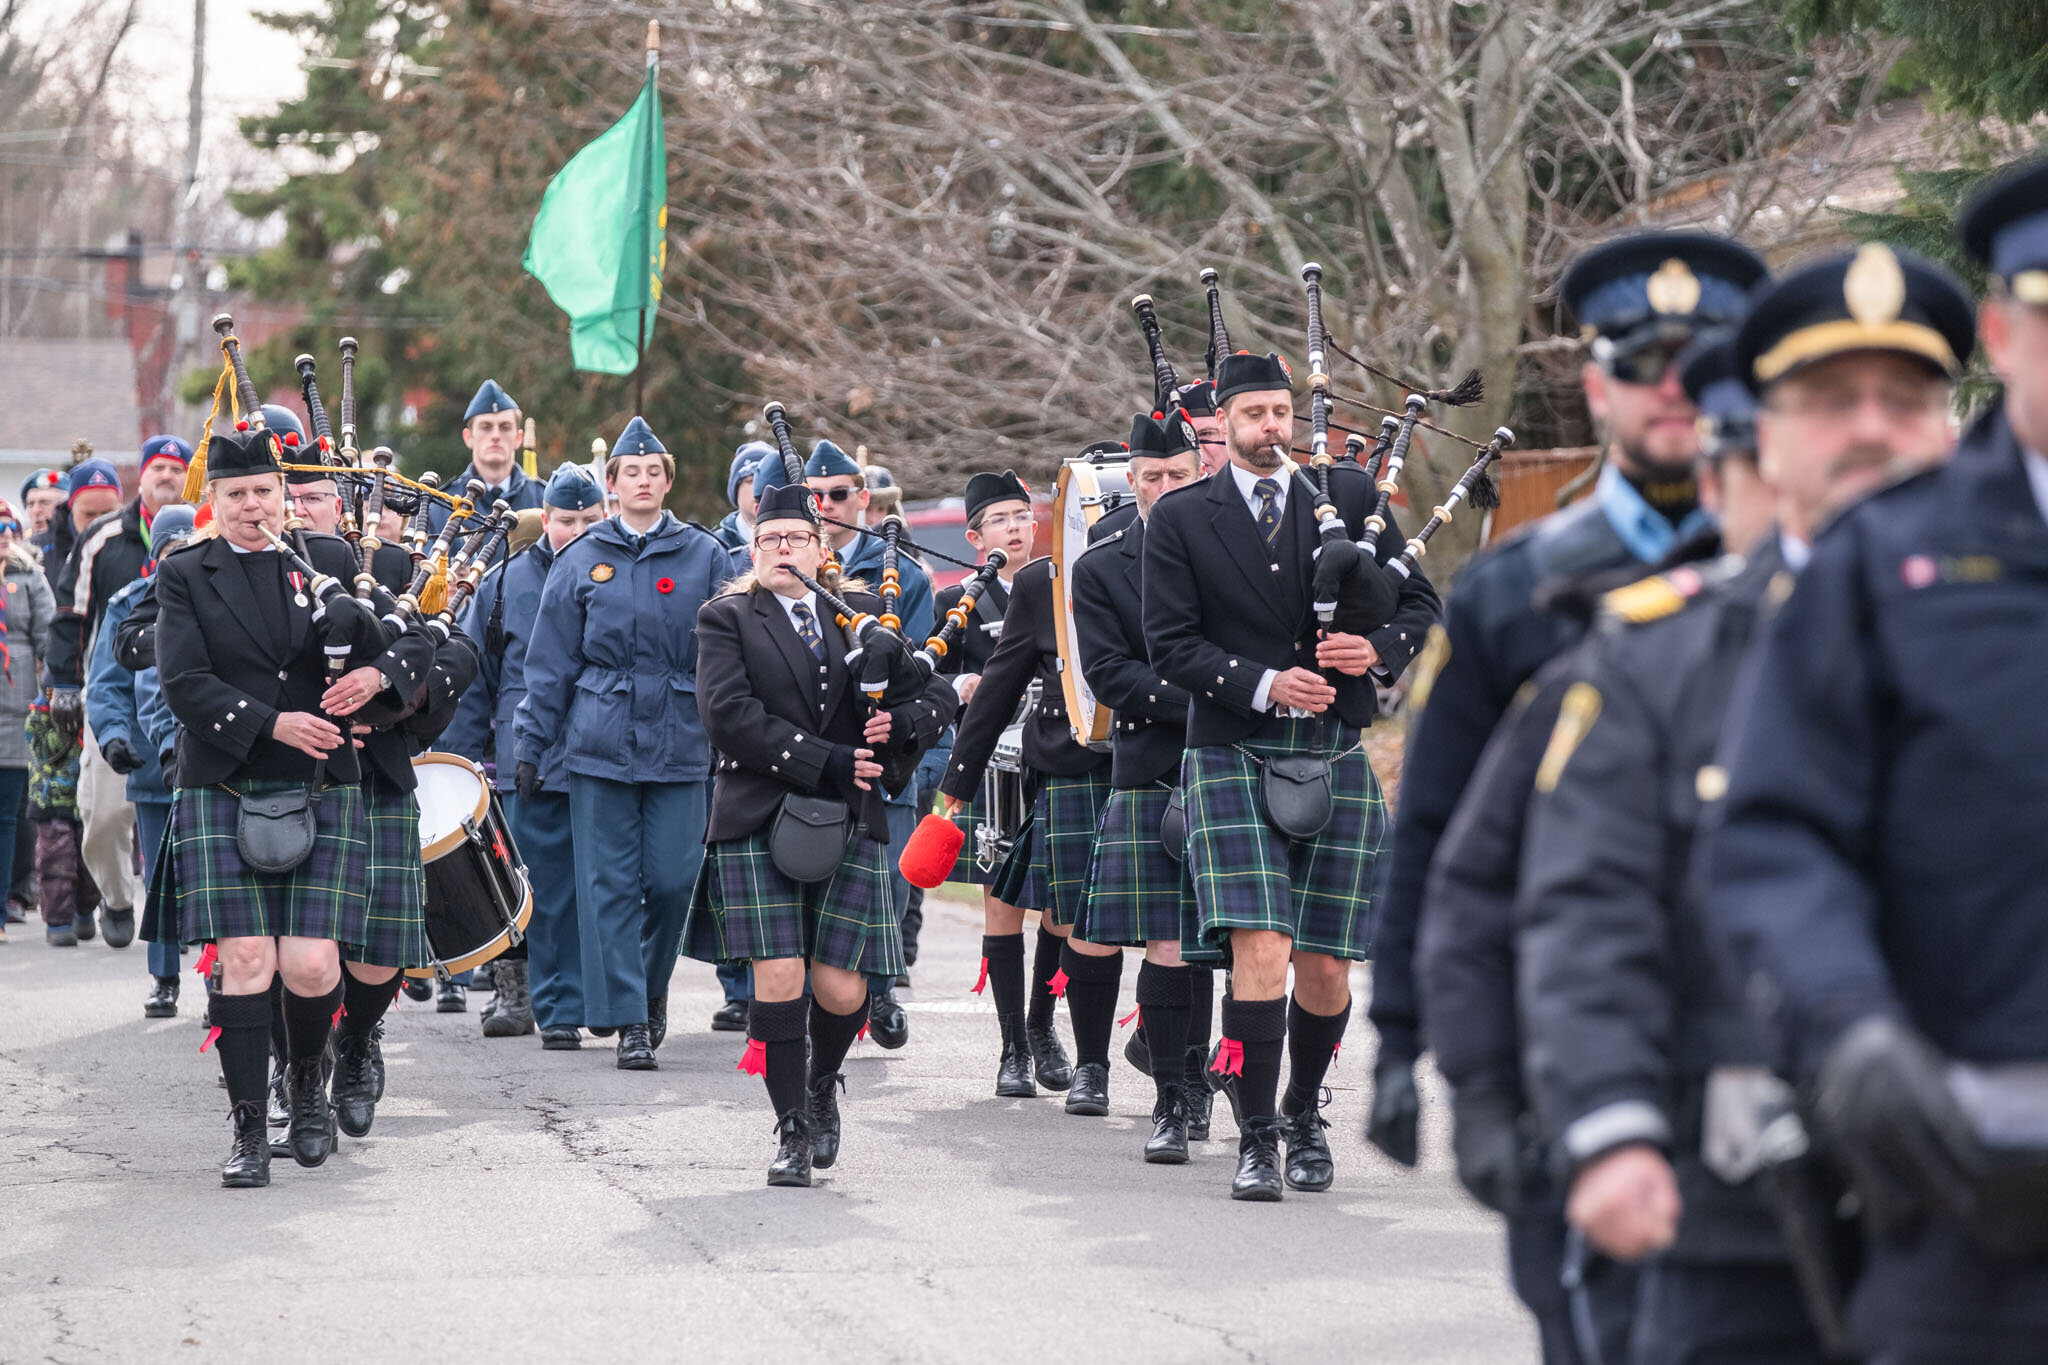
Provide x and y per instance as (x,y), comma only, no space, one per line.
(1269,508)
(807,630)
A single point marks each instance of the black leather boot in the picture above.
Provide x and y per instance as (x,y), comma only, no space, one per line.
(1049,1059)
(888,1024)
(163,999)
(792,1164)
(355,1084)
(824,1118)
(451,998)
(1013,1072)
(280,1098)
(120,928)
(1258,1162)
(657,1015)
(1088,1096)
(1309,1166)
(377,1062)
(1200,1098)
(248,1163)
(312,1129)
(636,1049)
(1169,1142)
(1138,1050)
(511,1011)
(419,988)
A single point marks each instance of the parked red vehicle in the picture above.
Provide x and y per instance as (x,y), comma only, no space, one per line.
(942,524)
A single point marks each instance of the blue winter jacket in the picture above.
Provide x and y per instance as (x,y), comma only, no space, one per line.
(612,665)
(110,699)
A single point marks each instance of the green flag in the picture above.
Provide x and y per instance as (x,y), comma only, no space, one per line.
(600,239)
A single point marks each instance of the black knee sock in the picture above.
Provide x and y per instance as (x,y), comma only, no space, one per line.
(308,1020)
(1045,963)
(363,1004)
(778,1026)
(832,1035)
(280,1045)
(1091,1001)
(244,1044)
(1003,955)
(1311,1045)
(1201,1005)
(1258,1027)
(1163,996)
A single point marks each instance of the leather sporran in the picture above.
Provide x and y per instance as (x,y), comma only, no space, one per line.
(1297,793)
(809,837)
(1173,825)
(275,831)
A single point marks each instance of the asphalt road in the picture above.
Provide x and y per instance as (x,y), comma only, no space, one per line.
(518,1205)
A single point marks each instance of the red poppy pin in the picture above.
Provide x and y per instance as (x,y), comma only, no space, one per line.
(664,585)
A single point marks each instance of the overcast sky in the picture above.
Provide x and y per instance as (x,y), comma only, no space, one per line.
(250,67)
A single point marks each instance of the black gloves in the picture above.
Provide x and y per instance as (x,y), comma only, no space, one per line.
(526,781)
(1486,1140)
(67,709)
(120,755)
(1882,1100)
(1396,1109)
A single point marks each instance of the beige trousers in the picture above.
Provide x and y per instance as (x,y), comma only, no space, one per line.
(108,842)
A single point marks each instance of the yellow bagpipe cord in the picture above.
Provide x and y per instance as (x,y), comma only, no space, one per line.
(195,473)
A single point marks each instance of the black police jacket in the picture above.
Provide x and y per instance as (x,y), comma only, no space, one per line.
(1221,607)
(420,699)
(1624,1012)
(774,715)
(1880,849)
(1495,638)
(1151,714)
(1027,650)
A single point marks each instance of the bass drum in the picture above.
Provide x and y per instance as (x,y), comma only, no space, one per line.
(478,898)
(1085,491)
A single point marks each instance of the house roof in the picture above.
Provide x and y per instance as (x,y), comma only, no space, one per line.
(55,392)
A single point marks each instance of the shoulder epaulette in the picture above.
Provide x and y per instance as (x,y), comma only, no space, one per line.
(1653,598)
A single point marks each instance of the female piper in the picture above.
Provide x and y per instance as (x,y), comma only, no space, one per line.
(611,669)
(789,723)
(241,665)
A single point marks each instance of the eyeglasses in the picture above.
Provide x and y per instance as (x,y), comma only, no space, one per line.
(835,494)
(1005,521)
(777,541)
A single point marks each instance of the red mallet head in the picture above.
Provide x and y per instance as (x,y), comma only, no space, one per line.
(930,851)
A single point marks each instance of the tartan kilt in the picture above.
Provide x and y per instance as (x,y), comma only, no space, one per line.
(1048,868)
(395,928)
(1134,888)
(1249,876)
(210,895)
(745,910)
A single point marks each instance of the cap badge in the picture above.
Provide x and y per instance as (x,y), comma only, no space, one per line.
(1874,287)
(1674,288)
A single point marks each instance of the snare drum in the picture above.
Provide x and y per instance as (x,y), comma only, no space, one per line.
(478,898)
(1003,807)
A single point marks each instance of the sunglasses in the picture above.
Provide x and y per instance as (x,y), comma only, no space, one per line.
(834,494)
(1644,362)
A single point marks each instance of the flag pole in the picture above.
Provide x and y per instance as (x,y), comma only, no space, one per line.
(640,336)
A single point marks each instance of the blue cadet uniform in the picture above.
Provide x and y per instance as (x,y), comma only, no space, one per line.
(1878,874)
(735,532)
(113,701)
(501,617)
(611,678)
(517,490)
(863,560)
(1637,298)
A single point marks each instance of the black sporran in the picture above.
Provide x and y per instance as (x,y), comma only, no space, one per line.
(1297,793)
(1173,825)
(809,837)
(275,831)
